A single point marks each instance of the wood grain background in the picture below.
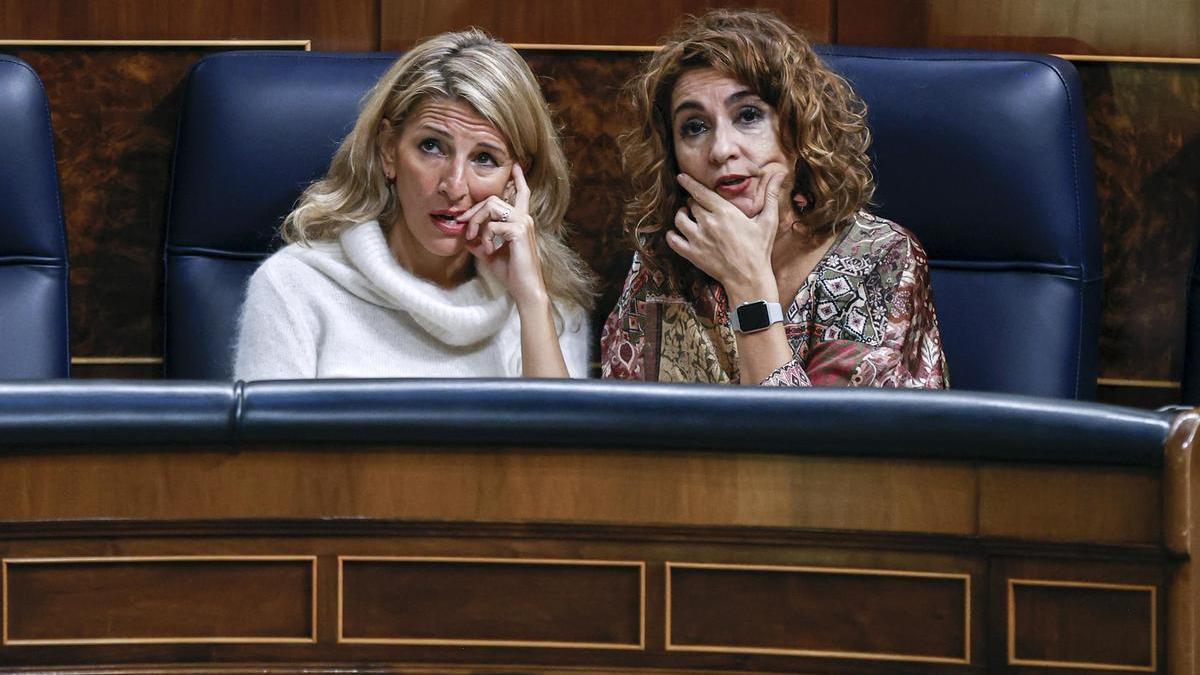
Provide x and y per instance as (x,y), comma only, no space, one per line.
(114,111)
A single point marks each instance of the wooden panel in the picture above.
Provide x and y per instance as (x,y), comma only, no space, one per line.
(1133,27)
(78,601)
(503,485)
(840,613)
(1082,625)
(492,602)
(344,25)
(1059,503)
(655,545)
(576,22)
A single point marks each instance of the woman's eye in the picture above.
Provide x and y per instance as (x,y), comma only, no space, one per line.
(749,115)
(486,159)
(430,146)
(692,128)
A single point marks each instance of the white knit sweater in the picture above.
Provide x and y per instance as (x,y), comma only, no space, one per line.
(345,308)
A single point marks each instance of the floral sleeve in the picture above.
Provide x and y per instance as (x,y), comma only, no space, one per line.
(896,298)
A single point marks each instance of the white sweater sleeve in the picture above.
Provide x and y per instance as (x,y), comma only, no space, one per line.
(575,340)
(274,342)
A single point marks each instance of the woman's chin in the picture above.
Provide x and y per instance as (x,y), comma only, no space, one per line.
(747,206)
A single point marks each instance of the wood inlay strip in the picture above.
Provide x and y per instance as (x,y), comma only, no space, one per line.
(306,44)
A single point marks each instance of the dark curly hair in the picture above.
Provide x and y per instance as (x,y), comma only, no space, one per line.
(822,124)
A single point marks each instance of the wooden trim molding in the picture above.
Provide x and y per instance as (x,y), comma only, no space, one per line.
(1102,58)
(639,566)
(116,360)
(1010,609)
(965,578)
(306,44)
(1140,384)
(5,604)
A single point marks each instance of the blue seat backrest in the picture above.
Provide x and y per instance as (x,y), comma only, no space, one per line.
(255,130)
(986,157)
(33,249)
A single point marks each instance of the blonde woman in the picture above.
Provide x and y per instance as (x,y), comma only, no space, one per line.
(755,262)
(433,247)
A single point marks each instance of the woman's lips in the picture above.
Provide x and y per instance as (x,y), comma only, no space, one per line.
(732,186)
(445,221)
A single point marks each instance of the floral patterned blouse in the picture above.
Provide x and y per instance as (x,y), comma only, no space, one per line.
(864,317)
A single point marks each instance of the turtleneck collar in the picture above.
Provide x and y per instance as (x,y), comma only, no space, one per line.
(472,311)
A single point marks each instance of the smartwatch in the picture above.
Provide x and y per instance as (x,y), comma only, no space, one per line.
(756,315)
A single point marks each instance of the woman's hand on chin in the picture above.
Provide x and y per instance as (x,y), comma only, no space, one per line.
(502,237)
(731,247)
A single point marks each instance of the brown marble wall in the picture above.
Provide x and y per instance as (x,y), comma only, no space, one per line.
(1144,121)
(583,88)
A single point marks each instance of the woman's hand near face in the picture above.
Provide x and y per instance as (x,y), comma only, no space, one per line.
(502,237)
(731,247)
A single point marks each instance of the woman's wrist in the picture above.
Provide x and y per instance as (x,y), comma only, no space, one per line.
(749,290)
(531,303)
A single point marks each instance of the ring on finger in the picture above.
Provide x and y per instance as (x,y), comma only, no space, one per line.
(504,215)
(498,241)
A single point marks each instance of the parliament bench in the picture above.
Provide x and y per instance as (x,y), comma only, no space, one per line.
(537,526)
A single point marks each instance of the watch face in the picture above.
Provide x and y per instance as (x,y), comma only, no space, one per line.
(753,316)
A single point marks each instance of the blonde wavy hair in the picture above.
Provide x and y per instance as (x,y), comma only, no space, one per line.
(493,79)
(822,123)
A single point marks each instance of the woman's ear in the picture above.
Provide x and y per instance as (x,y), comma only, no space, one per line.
(383,146)
(801,189)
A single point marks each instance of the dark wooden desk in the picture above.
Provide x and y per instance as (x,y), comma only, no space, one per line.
(509,559)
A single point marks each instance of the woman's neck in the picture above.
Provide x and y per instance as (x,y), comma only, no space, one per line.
(445,271)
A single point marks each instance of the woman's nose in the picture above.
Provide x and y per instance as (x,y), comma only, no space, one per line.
(453,183)
(724,145)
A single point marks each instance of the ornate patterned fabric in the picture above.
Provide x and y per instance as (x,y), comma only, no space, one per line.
(864,317)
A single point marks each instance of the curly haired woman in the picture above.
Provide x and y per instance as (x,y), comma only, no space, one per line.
(751,173)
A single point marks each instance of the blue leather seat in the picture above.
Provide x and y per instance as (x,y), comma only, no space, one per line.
(984,155)
(255,130)
(33,247)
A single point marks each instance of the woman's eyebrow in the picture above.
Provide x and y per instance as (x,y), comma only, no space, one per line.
(492,147)
(736,96)
(689,104)
(431,127)
(739,95)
